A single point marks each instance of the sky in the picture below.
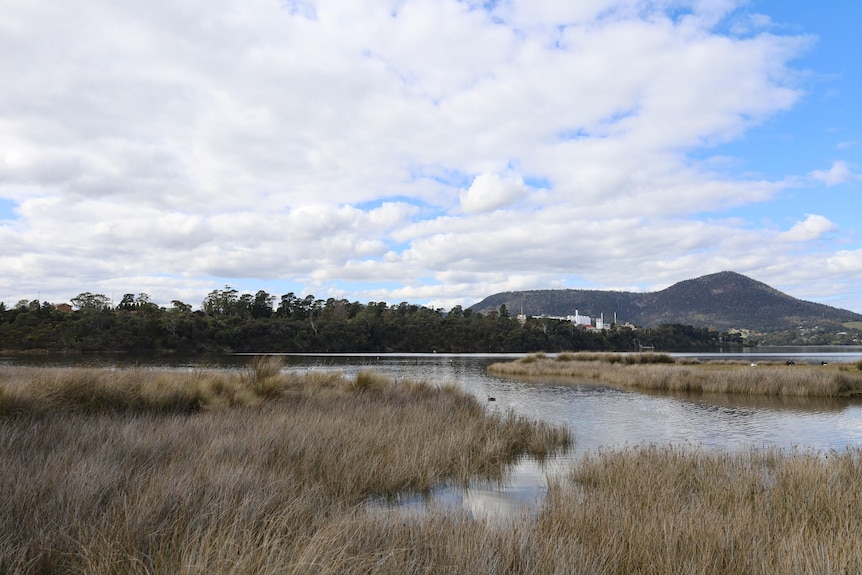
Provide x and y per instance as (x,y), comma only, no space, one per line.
(428,151)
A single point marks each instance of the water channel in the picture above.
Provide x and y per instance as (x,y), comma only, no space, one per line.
(599,416)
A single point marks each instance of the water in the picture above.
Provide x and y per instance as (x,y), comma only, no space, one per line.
(599,416)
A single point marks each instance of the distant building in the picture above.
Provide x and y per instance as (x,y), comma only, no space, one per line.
(584,321)
(63,307)
(579,319)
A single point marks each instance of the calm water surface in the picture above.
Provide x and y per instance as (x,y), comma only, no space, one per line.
(599,416)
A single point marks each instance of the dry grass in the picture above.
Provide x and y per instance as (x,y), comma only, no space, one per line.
(660,372)
(666,510)
(107,472)
(279,483)
(651,511)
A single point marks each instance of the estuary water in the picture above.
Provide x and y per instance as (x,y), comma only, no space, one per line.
(600,417)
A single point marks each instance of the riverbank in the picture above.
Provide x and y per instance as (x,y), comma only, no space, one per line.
(662,372)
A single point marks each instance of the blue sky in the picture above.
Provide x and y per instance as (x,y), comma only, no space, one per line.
(824,127)
(430,151)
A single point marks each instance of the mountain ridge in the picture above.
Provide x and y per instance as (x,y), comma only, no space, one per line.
(723,301)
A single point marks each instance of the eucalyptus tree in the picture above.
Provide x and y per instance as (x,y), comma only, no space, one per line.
(91,301)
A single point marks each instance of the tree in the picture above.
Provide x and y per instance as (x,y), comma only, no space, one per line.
(288,305)
(261,306)
(91,301)
(244,305)
(221,303)
(504,311)
(177,305)
(128,302)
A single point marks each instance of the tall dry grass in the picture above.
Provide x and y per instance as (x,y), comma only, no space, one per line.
(660,372)
(651,511)
(280,484)
(99,477)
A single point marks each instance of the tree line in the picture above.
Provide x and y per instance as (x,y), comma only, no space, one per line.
(230,321)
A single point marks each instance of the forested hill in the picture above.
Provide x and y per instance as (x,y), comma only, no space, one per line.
(232,322)
(722,301)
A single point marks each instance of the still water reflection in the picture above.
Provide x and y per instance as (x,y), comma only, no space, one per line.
(599,416)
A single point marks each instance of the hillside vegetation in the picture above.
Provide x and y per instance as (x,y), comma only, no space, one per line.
(721,301)
(229,321)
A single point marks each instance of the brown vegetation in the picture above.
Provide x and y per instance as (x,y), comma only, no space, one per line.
(662,373)
(266,472)
(653,511)
(143,471)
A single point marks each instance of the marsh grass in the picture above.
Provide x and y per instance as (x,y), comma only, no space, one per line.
(612,358)
(99,477)
(672,510)
(367,380)
(282,483)
(262,376)
(660,372)
(652,511)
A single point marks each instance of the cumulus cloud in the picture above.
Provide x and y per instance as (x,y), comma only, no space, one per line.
(839,173)
(491,192)
(811,228)
(385,145)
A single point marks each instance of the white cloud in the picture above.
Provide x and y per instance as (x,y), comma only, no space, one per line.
(811,228)
(491,192)
(839,173)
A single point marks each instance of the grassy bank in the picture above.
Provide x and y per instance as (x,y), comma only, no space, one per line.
(139,471)
(652,511)
(662,372)
(268,473)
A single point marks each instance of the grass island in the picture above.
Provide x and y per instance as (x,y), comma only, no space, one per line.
(663,372)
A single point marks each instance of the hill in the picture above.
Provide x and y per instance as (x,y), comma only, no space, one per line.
(721,301)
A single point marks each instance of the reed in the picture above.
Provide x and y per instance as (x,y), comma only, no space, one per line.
(661,372)
(111,482)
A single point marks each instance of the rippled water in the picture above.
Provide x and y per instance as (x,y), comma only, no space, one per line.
(599,416)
